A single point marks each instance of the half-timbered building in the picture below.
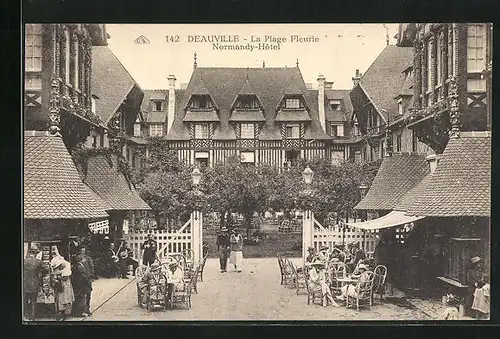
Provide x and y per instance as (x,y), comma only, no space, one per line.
(263,115)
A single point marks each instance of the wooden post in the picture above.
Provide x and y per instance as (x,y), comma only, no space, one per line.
(307,229)
(196,224)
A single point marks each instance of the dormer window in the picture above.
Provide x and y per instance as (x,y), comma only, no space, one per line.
(335,105)
(201,102)
(246,102)
(157,105)
(293,103)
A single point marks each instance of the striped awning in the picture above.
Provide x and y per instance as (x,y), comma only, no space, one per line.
(394,218)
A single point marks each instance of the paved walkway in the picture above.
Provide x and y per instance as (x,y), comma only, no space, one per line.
(254,294)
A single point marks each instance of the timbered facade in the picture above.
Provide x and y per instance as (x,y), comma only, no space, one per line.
(452,83)
(262,115)
(57,82)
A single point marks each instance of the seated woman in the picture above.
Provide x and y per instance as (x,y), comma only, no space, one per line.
(350,290)
(317,282)
(175,279)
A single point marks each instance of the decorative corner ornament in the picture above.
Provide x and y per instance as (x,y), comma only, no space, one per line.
(54,115)
(454,108)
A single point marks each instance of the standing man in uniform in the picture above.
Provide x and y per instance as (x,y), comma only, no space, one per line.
(223,246)
(31,281)
(88,274)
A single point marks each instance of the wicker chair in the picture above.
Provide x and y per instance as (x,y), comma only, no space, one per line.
(299,280)
(139,273)
(363,292)
(157,292)
(194,280)
(189,257)
(288,273)
(379,280)
(313,295)
(282,270)
(337,270)
(183,295)
(201,267)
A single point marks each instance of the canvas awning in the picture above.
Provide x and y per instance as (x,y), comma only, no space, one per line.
(394,218)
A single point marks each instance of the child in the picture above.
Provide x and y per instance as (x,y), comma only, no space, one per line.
(451,311)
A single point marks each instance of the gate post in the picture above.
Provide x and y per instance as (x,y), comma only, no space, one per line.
(307,229)
(197,235)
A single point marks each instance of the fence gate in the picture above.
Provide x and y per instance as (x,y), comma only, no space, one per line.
(315,235)
(189,236)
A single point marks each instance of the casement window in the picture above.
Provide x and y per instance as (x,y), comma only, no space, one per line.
(336,130)
(33,57)
(93,105)
(429,64)
(247,101)
(94,141)
(137,130)
(155,130)
(398,142)
(400,106)
(201,131)
(292,103)
(335,105)
(439,61)
(476,48)
(201,101)
(76,65)
(157,106)
(414,142)
(33,48)
(67,55)
(247,131)
(476,85)
(292,131)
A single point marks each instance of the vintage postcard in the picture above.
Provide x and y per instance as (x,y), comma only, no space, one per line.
(214,172)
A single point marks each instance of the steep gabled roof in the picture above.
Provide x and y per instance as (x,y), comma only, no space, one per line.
(345,105)
(224,85)
(111,186)
(397,175)
(53,188)
(111,82)
(383,80)
(461,183)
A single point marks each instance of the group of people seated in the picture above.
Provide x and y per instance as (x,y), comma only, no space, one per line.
(317,264)
(157,278)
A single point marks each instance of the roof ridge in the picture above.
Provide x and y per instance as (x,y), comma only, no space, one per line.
(33,133)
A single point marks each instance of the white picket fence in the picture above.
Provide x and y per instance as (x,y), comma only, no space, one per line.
(331,236)
(169,242)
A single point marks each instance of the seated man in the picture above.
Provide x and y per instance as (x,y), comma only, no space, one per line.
(175,279)
(350,290)
(309,258)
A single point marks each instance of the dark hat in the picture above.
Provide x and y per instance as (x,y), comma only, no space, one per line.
(324,248)
(310,249)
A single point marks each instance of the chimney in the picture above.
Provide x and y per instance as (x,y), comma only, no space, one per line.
(321,101)
(355,79)
(171,102)
(433,161)
(329,84)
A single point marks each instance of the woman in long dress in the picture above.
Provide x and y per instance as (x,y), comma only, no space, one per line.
(236,257)
(317,282)
(61,270)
